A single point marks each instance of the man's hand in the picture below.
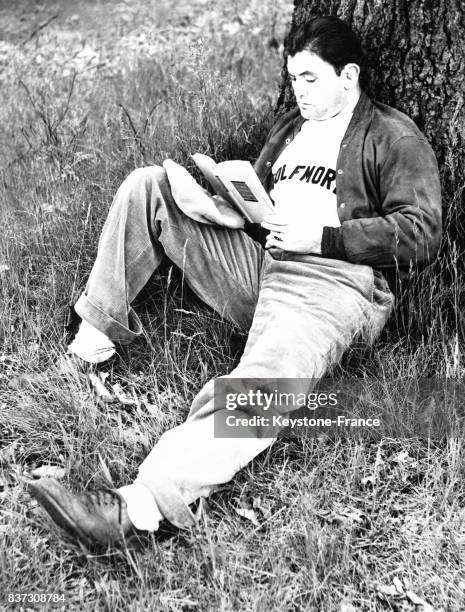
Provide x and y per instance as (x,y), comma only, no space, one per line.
(295,235)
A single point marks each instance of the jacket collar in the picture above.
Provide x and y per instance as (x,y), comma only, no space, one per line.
(362,115)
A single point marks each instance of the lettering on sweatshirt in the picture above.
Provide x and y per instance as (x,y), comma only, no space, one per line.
(318,175)
(304,174)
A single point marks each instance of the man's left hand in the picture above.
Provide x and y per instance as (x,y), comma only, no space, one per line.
(294,235)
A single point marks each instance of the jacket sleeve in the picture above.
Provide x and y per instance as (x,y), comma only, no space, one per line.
(408,231)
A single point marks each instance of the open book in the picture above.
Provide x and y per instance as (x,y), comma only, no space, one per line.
(236,182)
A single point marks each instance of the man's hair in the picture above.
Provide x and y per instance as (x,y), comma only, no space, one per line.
(331,39)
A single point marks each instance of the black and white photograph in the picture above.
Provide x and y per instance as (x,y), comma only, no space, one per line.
(232,305)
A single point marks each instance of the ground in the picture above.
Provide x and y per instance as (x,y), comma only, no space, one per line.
(90,91)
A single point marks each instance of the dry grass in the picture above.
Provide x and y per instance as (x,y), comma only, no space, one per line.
(84,101)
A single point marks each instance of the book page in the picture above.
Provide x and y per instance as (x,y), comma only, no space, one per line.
(237,182)
(208,168)
(243,179)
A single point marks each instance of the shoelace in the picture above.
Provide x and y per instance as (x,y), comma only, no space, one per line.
(101,499)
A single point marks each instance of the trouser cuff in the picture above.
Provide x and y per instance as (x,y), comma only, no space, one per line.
(116,331)
(170,502)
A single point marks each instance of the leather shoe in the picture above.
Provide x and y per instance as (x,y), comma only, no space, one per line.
(94,517)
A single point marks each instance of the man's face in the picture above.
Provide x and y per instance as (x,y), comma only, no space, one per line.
(319,91)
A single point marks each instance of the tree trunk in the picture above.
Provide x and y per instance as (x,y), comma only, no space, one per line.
(416,63)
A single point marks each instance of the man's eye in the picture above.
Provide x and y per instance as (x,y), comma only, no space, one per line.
(308,80)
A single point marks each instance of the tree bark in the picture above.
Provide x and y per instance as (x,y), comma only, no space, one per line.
(416,63)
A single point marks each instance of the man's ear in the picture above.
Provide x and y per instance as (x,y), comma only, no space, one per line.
(351,73)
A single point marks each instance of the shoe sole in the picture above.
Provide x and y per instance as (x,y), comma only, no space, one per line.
(56,512)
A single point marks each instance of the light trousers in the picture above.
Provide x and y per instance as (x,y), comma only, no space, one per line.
(302,312)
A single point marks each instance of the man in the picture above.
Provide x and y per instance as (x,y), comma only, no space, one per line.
(356,192)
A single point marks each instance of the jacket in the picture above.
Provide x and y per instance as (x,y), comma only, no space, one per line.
(387,188)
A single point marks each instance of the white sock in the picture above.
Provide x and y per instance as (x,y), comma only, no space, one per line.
(142,508)
(91,345)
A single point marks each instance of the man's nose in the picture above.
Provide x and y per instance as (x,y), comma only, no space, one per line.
(300,89)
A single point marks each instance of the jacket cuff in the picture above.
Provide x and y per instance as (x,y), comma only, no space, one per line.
(332,245)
